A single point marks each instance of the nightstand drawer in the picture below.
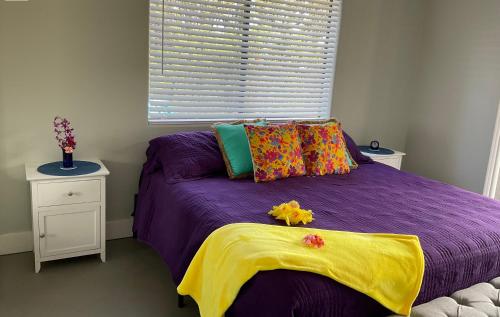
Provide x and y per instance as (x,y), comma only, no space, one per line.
(392,161)
(69,192)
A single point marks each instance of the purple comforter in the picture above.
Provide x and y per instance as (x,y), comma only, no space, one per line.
(459,232)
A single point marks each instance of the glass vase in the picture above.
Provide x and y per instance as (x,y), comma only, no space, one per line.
(67,160)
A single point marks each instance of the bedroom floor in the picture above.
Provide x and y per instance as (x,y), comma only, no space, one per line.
(133,282)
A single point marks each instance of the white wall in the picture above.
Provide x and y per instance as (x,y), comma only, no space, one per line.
(452,118)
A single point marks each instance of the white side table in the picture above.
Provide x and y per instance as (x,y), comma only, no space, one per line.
(393,160)
(69,214)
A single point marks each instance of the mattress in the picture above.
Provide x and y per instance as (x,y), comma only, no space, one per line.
(459,232)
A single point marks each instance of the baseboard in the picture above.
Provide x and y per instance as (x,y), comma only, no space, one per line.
(17,242)
(118,229)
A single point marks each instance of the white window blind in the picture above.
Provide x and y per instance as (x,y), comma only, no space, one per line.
(241,59)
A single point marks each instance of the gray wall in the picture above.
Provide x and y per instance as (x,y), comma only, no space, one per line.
(87,60)
(452,118)
(378,58)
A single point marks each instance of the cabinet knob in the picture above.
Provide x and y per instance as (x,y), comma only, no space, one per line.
(70,194)
(42,235)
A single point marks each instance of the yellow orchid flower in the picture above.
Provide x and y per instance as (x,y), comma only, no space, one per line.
(291,213)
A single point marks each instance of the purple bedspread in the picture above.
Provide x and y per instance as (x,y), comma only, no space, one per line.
(459,232)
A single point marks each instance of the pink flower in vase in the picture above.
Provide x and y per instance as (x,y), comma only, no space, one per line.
(64,134)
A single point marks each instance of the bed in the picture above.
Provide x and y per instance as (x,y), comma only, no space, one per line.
(459,230)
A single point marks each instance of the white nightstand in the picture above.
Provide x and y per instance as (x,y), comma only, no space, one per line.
(69,214)
(393,160)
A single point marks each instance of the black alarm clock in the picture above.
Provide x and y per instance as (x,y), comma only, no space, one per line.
(374,145)
(374,148)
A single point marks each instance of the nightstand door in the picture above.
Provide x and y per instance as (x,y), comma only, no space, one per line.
(68,230)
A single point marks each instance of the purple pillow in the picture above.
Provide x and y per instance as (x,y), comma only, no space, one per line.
(185,156)
(355,152)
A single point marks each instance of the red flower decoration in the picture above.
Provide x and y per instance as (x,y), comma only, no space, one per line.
(314,241)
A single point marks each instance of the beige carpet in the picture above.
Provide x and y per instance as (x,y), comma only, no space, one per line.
(133,282)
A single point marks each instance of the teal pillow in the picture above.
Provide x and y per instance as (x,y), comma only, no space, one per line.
(233,143)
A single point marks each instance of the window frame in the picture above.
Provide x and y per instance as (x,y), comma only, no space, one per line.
(206,121)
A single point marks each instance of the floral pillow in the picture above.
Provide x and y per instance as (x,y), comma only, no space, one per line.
(352,162)
(324,148)
(276,152)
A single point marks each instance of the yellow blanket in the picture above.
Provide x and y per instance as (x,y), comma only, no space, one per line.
(389,268)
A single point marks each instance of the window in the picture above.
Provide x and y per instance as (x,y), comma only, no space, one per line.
(212,60)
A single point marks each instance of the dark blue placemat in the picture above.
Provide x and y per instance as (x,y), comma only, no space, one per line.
(81,168)
(380,151)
